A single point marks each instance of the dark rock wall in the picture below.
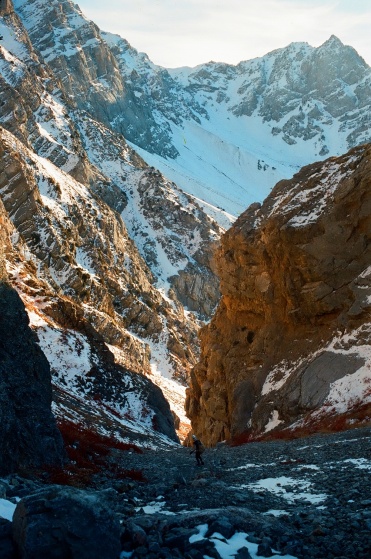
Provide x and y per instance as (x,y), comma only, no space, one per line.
(28,432)
(63,522)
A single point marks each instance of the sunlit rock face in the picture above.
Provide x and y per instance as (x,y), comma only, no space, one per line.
(100,246)
(291,335)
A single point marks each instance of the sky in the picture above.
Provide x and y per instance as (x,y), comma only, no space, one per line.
(178,33)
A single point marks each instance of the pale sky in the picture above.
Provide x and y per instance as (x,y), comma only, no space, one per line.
(189,32)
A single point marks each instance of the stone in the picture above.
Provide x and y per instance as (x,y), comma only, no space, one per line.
(138,535)
(7,548)
(243,553)
(59,522)
(4,488)
(223,526)
(178,538)
(264,550)
(206,548)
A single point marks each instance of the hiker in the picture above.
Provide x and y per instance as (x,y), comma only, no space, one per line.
(198,448)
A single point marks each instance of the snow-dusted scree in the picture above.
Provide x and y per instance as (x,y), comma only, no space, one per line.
(300,499)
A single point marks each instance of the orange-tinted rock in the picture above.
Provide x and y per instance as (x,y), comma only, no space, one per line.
(295,274)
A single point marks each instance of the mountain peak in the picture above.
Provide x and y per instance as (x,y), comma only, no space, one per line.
(333,43)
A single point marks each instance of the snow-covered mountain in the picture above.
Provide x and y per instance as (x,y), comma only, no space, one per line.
(268,117)
(97,232)
(225,134)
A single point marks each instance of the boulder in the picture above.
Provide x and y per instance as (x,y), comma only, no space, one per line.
(60,522)
(7,549)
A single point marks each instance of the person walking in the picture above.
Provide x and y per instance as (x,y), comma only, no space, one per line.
(198,449)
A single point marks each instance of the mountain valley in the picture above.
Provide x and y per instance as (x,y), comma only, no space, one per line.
(181,251)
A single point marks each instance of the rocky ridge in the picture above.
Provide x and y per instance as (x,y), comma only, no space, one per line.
(267,117)
(289,343)
(300,88)
(96,77)
(191,123)
(98,237)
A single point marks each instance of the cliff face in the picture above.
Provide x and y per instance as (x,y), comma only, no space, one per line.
(290,339)
(100,246)
(74,49)
(84,286)
(28,431)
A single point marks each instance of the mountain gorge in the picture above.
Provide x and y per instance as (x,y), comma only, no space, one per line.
(181,250)
(118,179)
(87,277)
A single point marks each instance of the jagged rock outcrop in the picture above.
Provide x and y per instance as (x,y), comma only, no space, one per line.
(83,60)
(290,340)
(85,241)
(28,433)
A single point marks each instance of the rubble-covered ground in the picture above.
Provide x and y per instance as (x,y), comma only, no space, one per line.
(306,498)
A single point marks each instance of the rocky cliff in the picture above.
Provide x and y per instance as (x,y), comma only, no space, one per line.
(47,219)
(101,247)
(289,343)
(28,433)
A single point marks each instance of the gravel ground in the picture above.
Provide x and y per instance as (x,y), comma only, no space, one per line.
(309,498)
(303,499)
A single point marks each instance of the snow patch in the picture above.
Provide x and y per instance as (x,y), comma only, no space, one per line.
(7,509)
(228,549)
(273,422)
(289,488)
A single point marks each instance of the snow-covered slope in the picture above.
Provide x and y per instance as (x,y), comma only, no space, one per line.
(260,121)
(225,134)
